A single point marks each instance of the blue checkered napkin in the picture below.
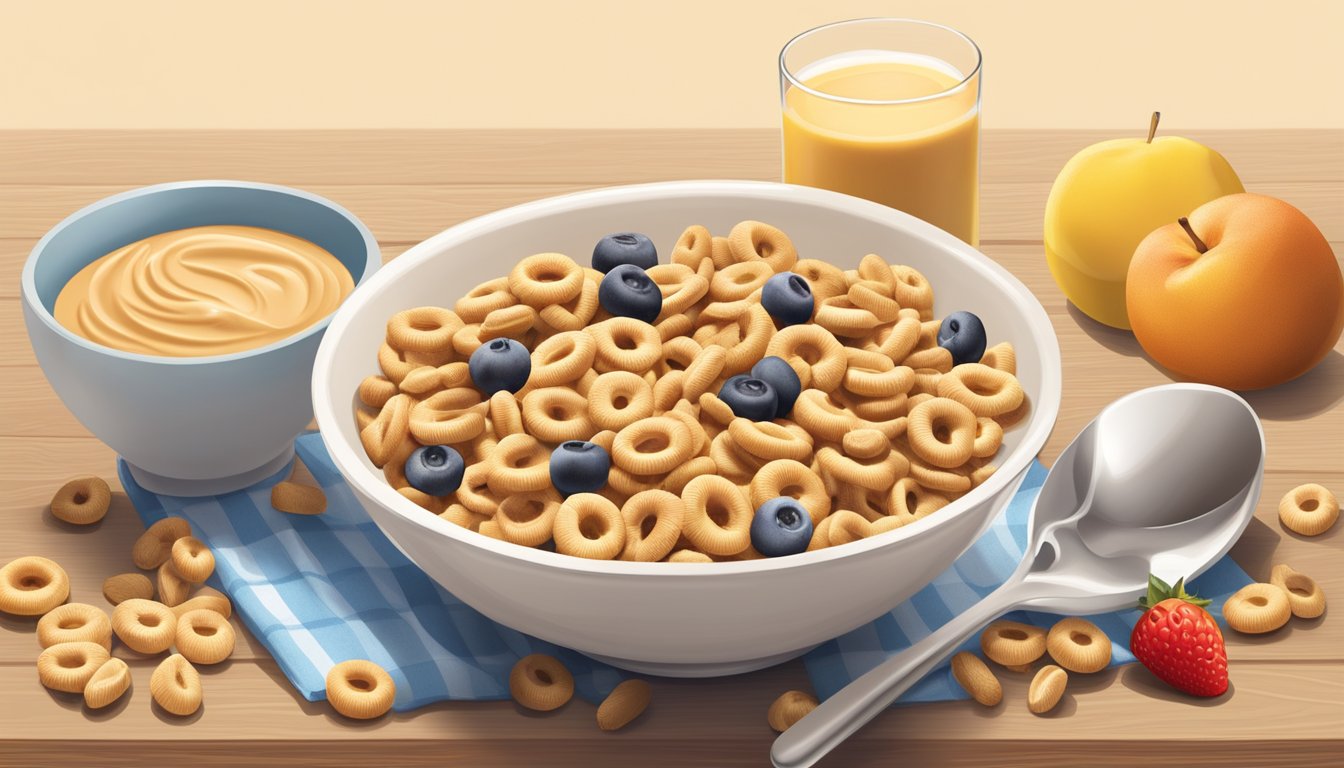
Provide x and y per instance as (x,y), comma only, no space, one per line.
(983,567)
(318,590)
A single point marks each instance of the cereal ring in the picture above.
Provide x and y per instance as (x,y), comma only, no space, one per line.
(876,298)
(876,473)
(677,479)
(387,432)
(618,399)
(689,556)
(544,279)
(394,364)
(865,443)
(847,526)
(935,359)
(375,391)
(590,526)
(738,281)
(653,522)
(1305,598)
(144,625)
(519,463)
(540,682)
(155,545)
(460,515)
(207,599)
(813,353)
(976,679)
(363,418)
(74,622)
(789,708)
(575,314)
(718,517)
(681,288)
(752,240)
(68,667)
(124,586)
(942,432)
(508,323)
(192,559)
(176,686)
(505,416)
(527,518)
(667,392)
(981,474)
(909,500)
(204,637)
(562,359)
(297,499)
(936,478)
(556,414)
(704,371)
(821,535)
(694,246)
(423,329)
(986,391)
(839,316)
(626,702)
(1257,608)
(755,330)
(679,354)
(900,341)
(823,418)
(421,381)
(484,299)
(786,477)
(1001,356)
(1078,645)
(360,689)
(869,381)
(107,684)
(651,446)
(911,288)
(82,501)
(769,440)
(1012,642)
(988,438)
(31,586)
(448,417)
(1309,509)
(423,500)
(826,280)
(626,344)
(1047,687)
(715,410)
(173,589)
(925,382)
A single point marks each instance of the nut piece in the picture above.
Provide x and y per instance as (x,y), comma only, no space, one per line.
(108,683)
(298,499)
(127,586)
(176,686)
(789,708)
(155,545)
(209,599)
(975,677)
(625,702)
(173,589)
(1046,689)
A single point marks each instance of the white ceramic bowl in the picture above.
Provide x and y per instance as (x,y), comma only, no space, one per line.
(684,619)
(187,426)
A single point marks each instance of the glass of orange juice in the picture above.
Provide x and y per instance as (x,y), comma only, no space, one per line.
(888,110)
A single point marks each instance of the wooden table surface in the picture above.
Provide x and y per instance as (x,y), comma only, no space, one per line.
(1286,706)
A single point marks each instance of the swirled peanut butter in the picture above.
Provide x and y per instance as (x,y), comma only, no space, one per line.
(203,291)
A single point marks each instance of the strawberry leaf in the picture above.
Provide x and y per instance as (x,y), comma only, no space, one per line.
(1159,590)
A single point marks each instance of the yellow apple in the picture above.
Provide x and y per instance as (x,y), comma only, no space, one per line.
(1109,197)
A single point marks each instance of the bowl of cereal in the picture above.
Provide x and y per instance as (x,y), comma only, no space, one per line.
(178,323)
(703,446)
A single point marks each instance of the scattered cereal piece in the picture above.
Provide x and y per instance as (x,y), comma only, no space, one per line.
(1309,509)
(1257,608)
(125,586)
(192,560)
(82,501)
(31,586)
(360,689)
(155,545)
(74,622)
(68,667)
(976,678)
(209,599)
(204,637)
(173,589)
(625,702)
(1047,687)
(298,499)
(541,682)
(108,683)
(1078,645)
(789,708)
(1011,642)
(1305,597)
(176,686)
(144,625)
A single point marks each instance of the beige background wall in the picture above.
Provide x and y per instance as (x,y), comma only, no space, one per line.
(635,63)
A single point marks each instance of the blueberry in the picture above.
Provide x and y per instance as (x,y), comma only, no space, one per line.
(627,291)
(781,527)
(498,365)
(750,398)
(579,467)
(788,299)
(963,335)
(624,248)
(780,375)
(434,469)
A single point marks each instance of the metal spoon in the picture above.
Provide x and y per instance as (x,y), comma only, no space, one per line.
(1164,480)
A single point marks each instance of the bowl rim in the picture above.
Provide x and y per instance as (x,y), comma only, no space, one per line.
(31,299)
(373,485)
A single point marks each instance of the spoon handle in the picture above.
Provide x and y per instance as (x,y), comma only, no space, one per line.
(837,718)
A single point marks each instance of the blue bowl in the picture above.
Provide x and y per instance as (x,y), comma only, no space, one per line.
(187,426)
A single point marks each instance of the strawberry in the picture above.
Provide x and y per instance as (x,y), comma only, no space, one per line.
(1177,640)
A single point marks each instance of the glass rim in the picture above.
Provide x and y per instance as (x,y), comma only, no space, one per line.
(796,83)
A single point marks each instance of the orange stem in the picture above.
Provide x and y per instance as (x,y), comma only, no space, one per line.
(1199,244)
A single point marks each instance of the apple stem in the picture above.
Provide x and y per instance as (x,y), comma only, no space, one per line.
(1152,126)
(1199,244)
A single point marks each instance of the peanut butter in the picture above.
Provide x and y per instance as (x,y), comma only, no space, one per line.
(202,291)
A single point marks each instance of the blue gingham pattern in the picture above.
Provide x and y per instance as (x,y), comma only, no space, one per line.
(983,567)
(318,590)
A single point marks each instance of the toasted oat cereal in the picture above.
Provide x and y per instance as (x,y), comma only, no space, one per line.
(626,702)
(298,499)
(107,684)
(789,708)
(74,622)
(1305,597)
(176,686)
(541,682)
(360,689)
(82,501)
(1257,608)
(68,667)
(31,586)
